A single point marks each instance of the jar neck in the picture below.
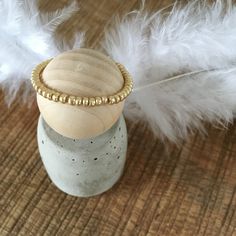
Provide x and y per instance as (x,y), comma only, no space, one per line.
(97,141)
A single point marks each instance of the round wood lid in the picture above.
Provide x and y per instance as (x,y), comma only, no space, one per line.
(87,73)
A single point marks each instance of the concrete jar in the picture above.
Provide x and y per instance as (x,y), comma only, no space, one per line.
(83,167)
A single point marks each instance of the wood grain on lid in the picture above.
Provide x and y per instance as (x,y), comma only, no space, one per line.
(83,72)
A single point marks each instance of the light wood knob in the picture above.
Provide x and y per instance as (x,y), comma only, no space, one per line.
(81,72)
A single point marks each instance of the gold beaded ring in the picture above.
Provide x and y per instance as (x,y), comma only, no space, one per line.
(57,96)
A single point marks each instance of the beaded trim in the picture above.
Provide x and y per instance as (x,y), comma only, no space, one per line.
(57,96)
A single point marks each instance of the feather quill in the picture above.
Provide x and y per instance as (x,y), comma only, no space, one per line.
(27,38)
(195,37)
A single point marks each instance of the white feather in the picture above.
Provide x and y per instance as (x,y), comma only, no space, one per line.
(53,19)
(178,107)
(126,41)
(197,36)
(27,38)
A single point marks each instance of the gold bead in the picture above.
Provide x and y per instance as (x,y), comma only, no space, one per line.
(71,100)
(121,95)
(55,97)
(117,98)
(39,91)
(111,100)
(63,98)
(128,90)
(34,73)
(85,101)
(104,99)
(78,101)
(49,95)
(98,100)
(44,93)
(125,93)
(35,86)
(92,102)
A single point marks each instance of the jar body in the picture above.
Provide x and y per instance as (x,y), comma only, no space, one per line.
(83,167)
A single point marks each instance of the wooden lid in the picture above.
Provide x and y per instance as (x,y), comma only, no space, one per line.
(81,72)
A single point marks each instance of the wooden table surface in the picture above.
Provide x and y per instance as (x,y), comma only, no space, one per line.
(189,190)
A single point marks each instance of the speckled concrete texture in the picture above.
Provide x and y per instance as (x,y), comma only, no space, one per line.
(83,167)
